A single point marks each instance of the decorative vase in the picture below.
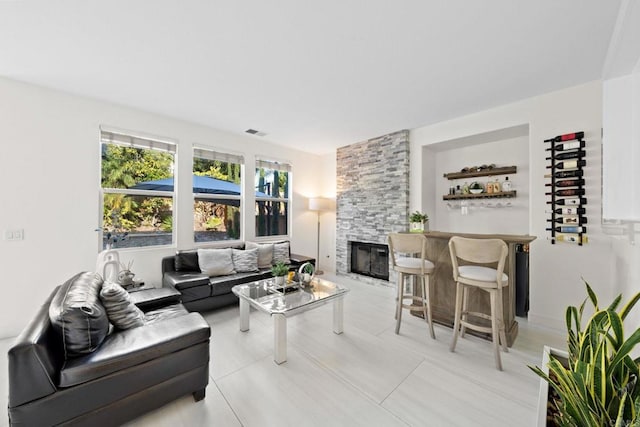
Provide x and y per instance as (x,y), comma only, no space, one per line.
(305,277)
(416,227)
(280,280)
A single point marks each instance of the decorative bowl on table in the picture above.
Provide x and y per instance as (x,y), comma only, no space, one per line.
(475,190)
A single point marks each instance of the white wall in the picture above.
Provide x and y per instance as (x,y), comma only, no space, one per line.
(480,218)
(50,178)
(556,270)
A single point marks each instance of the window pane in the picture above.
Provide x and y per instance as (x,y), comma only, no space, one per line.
(134,221)
(271,218)
(139,168)
(272,183)
(216,220)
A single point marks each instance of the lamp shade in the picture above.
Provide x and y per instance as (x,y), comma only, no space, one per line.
(320,204)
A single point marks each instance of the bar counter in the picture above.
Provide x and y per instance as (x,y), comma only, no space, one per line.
(443,288)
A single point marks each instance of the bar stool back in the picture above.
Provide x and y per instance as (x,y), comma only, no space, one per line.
(491,280)
(421,268)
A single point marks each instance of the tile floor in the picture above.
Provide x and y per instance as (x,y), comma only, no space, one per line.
(367,376)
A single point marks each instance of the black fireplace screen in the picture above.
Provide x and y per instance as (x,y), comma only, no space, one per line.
(370,259)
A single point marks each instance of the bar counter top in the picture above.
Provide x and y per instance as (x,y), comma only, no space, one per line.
(443,288)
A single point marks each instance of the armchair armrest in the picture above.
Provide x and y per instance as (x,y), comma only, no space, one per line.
(148,299)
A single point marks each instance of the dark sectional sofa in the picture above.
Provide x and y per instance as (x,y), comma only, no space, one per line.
(130,372)
(201,292)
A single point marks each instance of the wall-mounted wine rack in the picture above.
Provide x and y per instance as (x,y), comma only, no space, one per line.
(568,200)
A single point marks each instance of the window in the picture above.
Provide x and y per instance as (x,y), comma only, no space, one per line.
(272,182)
(217,188)
(137,191)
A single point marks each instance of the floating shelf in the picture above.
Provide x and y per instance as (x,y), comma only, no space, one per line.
(501,195)
(485,172)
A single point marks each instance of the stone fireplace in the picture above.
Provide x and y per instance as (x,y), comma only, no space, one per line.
(372,198)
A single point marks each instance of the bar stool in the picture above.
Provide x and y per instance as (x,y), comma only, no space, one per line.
(491,280)
(421,268)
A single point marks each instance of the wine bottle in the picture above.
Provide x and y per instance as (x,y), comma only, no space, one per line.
(568,211)
(568,183)
(569,229)
(567,174)
(569,155)
(569,164)
(569,192)
(571,238)
(570,219)
(566,137)
(568,146)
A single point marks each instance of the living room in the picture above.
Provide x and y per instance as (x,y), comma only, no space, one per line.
(53,109)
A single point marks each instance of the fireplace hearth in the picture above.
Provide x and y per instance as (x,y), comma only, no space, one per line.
(370,259)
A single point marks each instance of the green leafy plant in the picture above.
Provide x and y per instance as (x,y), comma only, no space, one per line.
(308,268)
(418,216)
(600,385)
(280,269)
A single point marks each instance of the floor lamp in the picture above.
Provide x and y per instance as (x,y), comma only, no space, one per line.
(319,204)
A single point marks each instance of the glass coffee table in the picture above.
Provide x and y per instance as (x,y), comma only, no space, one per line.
(285,302)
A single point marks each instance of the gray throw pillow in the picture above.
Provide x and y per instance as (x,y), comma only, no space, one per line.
(281,253)
(121,311)
(245,260)
(77,314)
(216,262)
(265,253)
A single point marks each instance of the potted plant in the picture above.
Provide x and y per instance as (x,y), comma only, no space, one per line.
(597,385)
(306,272)
(417,222)
(279,271)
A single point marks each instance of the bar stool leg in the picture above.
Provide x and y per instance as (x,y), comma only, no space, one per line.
(494,328)
(400,299)
(426,305)
(456,322)
(501,325)
(465,308)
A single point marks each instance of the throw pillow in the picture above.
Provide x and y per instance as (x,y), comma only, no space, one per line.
(265,253)
(77,314)
(245,260)
(281,253)
(186,261)
(215,262)
(121,311)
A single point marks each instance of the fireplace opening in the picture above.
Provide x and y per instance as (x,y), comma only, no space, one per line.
(370,259)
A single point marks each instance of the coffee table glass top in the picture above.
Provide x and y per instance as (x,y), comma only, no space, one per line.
(265,296)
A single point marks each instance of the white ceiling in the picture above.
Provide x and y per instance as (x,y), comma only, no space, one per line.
(311,74)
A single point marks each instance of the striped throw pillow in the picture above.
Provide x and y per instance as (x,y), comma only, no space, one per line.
(120,310)
(245,260)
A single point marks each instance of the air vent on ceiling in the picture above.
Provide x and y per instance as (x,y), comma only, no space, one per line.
(255,132)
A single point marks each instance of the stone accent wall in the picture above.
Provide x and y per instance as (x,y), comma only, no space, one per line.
(372,195)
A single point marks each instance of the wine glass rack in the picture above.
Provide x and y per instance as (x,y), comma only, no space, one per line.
(568,212)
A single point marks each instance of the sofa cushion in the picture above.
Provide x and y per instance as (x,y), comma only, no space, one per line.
(265,253)
(183,279)
(77,314)
(135,346)
(245,260)
(216,262)
(281,253)
(186,261)
(223,285)
(120,309)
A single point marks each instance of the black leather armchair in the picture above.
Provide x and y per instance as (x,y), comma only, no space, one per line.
(133,371)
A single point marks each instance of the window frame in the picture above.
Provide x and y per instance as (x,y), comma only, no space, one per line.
(225,156)
(124,138)
(282,166)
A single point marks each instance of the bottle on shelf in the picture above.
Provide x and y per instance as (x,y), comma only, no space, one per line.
(465,188)
(568,155)
(458,190)
(569,229)
(569,164)
(497,188)
(568,183)
(566,174)
(570,219)
(507,185)
(571,238)
(568,146)
(568,211)
(570,201)
(489,187)
(566,137)
(569,192)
